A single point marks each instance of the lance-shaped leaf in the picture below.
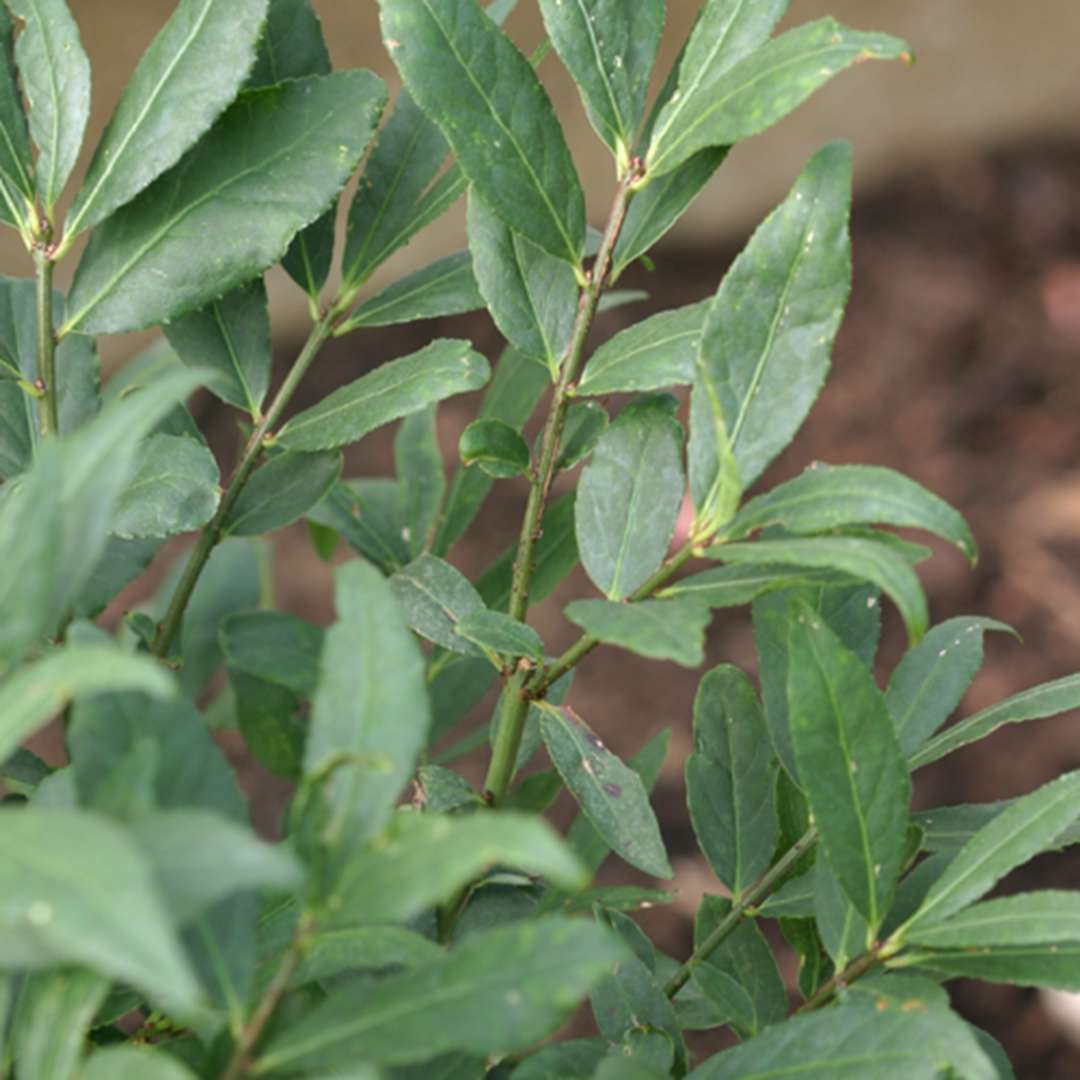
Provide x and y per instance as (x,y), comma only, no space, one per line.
(427,857)
(716,485)
(629,497)
(586,422)
(731,586)
(1047,699)
(730,778)
(659,629)
(610,793)
(367,515)
(866,559)
(361,948)
(850,764)
(931,679)
(60,874)
(371,704)
(1028,826)
(446,287)
(291,45)
(174,490)
(284,489)
(273,646)
(16,162)
(495,447)
(609,47)
(1055,966)
(441,370)
(55,76)
(723,104)
(421,477)
(230,337)
(435,596)
(499,633)
(651,355)
(827,497)
(268,167)
(472,81)
(842,929)
(188,75)
(532,296)
(134,1063)
(448,1004)
(1033,918)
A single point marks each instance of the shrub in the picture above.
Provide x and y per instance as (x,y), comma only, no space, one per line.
(145,931)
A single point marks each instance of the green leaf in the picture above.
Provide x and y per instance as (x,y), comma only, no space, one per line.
(472,81)
(134,1063)
(530,975)
(610,793)
(371,704)
(421,478)
(363,948)
(367,514)
(188,75)
(501,634)
(60,875)
(272,720)
(766,344)
(284,489)
(174,490)
(1047,699)
(730,779)
(446,287)
(1055,966)
(496,447)
(931,679)
(629,498)
(426,858)
(722,103)
(230,338)
(1028,826)
(16,161)
(868,560)
(39,690)
(609,47)
(575,1059)
(434,597)
(716,486)
(291,45)
(532,296)
(441,370)
(732,586)
(55,77)
(311,253)
(843,931)
(268,167)
(586,422)
(200,857)
(827,497)
(650,355)
(659,629)
(858,1039)
(1034,918)
(54,1012)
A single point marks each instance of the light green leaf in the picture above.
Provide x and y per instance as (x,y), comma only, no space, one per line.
(39,690)
(421,477)
(866,559)
(230,337)
(284,489)
(610,793)
(849,761)
(501,634)
(496,447)
(609,47)
(174,490)
(441,370)
(1028,826)
(434,597)
(629,497)
(722,103)
(425,858)
(532,296)
(530,975)
(716,486)
(371,704)
(731,586)
(55,77)
(188,75)
(472,81)
(931,679)
(134,1063)
(60,875)
(858,1039)
(291,45)
(768,336)
(827,497)
(1034,918)
(1055,966)
(268,167)
(660,629)
(16,162)
(651,355)
(446,287)
(1047,699)
(730,779)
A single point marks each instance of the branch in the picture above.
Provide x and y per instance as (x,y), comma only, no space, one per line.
(48,411)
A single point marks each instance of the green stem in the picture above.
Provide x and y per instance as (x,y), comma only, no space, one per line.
(516,705)
(212,533)
(757,892)
(48,414)
(858,967)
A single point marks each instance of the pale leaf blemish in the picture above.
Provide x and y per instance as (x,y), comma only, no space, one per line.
(40,913)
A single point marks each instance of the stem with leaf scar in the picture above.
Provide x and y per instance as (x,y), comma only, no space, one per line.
(48,409)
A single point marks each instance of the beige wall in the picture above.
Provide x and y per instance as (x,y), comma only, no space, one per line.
(988,72)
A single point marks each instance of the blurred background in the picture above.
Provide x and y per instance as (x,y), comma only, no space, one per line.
(959,363)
